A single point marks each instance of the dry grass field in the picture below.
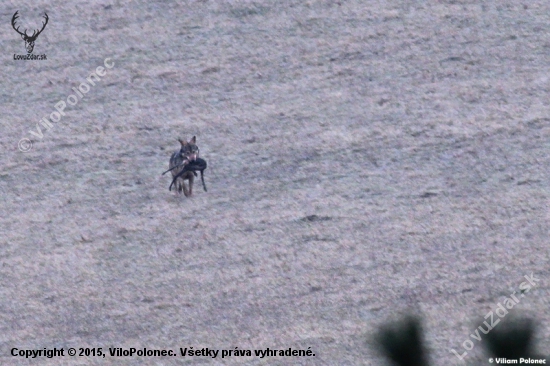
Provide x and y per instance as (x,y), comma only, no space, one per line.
(365,158)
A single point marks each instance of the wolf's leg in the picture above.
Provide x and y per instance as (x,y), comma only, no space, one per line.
(185,191)
(191,180)
(177,186)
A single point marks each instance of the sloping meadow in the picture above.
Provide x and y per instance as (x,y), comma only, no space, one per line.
(364,158)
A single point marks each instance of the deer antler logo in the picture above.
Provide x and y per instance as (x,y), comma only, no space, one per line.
(29,40)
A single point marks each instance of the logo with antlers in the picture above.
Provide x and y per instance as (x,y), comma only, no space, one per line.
(29,40)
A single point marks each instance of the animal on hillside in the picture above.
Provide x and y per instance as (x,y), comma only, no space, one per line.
(184,164)
(193,166)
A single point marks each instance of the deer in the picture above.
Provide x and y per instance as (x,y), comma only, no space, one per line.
(29,40)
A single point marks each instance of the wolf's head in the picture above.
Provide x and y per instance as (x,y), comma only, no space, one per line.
(189,150)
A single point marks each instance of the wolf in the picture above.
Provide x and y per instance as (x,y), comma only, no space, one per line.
(188,153)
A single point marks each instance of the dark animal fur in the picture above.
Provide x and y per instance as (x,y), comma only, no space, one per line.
(184,165)
(194,166)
